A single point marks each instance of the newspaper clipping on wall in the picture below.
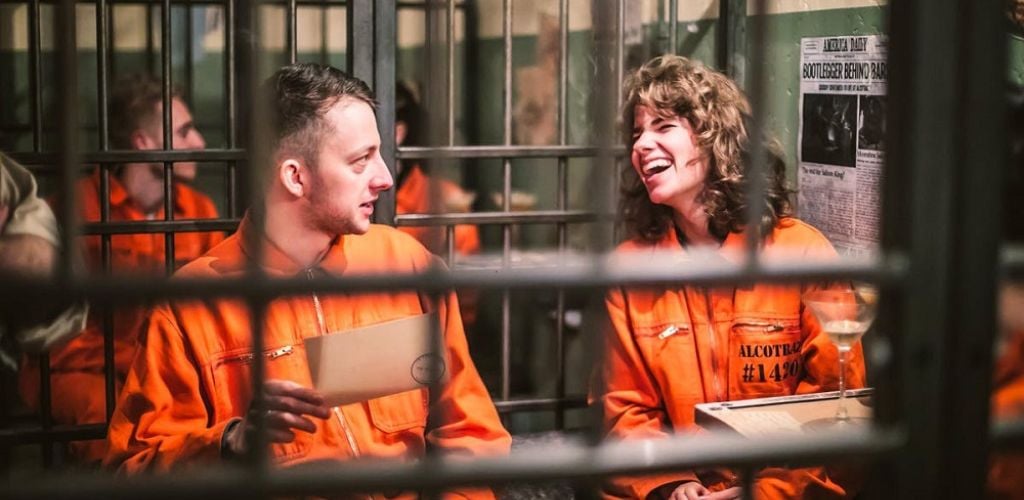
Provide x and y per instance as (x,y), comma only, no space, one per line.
(842,138)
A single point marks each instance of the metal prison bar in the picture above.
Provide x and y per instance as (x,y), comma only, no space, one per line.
(932,268)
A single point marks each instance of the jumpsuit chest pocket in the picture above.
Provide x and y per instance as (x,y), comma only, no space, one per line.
(400,412)
(670,353)
(231,379)
(765,357)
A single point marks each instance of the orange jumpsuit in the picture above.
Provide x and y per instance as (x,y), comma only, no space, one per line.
(414,197)
(674,347)
(77,378)
(192,375)
(1006,474)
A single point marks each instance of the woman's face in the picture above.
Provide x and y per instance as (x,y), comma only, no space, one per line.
(666,157)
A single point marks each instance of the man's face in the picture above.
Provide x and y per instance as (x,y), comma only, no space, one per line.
(349,173)
(184,135)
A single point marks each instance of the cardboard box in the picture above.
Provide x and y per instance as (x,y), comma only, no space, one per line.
(783,414)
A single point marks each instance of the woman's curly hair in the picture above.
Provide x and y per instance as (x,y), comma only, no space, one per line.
(718,112)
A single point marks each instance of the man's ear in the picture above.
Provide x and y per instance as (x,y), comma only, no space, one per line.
(142,141)
(401,132)
(293,175)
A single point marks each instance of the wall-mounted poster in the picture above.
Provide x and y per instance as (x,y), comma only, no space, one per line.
(842,138)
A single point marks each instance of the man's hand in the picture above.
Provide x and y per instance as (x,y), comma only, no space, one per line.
(27,255)
(693,490)
(286,406)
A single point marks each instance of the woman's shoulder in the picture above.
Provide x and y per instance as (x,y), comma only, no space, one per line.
(791,233)
(794,229)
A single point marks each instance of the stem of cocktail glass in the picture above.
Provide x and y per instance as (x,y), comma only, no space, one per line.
(841,413)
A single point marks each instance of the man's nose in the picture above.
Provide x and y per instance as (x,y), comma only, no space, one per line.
(382,180)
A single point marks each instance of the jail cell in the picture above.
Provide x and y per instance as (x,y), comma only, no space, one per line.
(540,263)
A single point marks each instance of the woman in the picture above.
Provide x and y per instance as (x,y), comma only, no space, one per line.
(674,347)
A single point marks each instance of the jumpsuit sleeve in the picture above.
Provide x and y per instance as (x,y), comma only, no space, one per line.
(633,407)
(161,420)
(464,421)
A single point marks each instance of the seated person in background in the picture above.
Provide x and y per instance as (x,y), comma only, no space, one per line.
(28,247)
(136,193)
(417,189)
(673,347)
(188,395)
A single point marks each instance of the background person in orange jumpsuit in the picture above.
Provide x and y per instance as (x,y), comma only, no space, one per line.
(187,398)
(674,347)
(417,189)
(136,193)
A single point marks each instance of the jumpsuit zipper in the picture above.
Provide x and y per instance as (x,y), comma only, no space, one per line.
(322,325)
(716,384)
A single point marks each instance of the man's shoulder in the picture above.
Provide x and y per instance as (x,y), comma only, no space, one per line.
(193,202)
(224,259)
(386,246)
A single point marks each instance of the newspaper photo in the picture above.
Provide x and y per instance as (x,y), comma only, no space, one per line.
(841,140)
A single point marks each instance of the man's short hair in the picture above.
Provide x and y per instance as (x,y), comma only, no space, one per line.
(299,95)
(133,102)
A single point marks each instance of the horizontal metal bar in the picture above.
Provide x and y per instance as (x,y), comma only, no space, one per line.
(1005,435)
(13,436)
(160,226)
(531,217)
(574,273)
(127,156)
(562,461)
(518,405)
(498,151)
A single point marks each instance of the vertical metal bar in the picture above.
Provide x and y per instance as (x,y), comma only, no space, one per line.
(165,64)
(731,40)
(757,94)
(189,56)
(291,31)
(563,202)
(248,65)
(109,389)
(111,66)
(360,30)
(608,21)
(66,72)
(384,42)
(102,45)
(230,93)
(747,477)
(103,28)
(35,72)
(952,51)
(673,26)
(450,75)
(506,165)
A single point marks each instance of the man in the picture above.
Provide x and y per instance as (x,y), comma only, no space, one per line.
(187,398)
(136,193)
(28,247)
